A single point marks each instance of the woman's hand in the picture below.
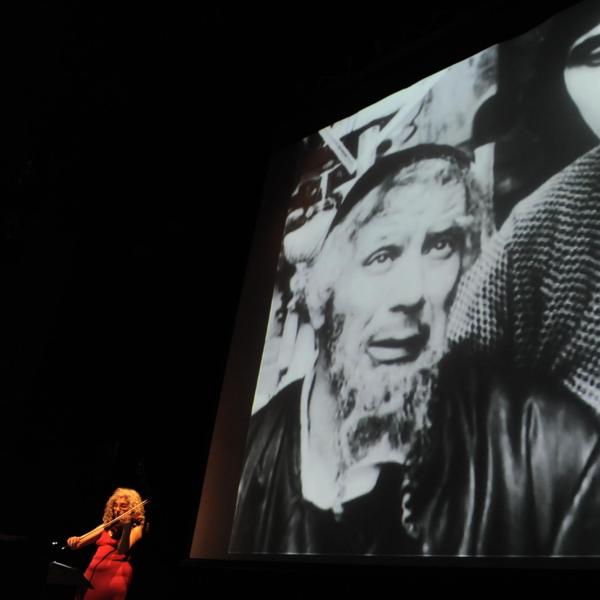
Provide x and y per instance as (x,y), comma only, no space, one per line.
(73,542)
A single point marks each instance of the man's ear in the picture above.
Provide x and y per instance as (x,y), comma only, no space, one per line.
(314,304)
(316,315)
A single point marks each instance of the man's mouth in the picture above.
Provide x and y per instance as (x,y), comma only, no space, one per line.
(398,349)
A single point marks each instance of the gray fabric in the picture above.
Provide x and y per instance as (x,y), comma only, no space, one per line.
(534,294)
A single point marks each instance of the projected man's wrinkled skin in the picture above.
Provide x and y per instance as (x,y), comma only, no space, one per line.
(582,77)
(384,326)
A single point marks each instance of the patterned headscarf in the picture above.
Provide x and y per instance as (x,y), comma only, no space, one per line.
(534,294)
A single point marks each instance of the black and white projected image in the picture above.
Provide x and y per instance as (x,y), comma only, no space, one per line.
(429,384)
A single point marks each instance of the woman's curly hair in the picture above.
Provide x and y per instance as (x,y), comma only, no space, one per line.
(138,515)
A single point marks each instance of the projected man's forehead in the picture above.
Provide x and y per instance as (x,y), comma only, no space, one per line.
(427,163)
(432,192)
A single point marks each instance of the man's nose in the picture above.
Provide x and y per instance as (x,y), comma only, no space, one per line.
(407,294)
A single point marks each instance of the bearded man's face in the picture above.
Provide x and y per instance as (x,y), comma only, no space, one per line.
(385,322)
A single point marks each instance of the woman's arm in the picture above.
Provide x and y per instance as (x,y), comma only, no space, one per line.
(129,536)
(75,542)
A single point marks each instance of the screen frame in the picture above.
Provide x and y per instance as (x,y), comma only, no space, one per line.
(219,495)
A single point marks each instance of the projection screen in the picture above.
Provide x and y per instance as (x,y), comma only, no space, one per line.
(428,382)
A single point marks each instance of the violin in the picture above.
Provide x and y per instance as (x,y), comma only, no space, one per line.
(110,524)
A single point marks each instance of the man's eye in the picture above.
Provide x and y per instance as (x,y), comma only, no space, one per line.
(379,259)
(440,247)
(587,53)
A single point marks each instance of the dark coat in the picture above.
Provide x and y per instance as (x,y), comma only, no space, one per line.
(513,470)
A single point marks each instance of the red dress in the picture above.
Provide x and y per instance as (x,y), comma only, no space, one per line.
(108,572)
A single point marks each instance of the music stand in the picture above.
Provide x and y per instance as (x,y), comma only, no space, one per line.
(60,574)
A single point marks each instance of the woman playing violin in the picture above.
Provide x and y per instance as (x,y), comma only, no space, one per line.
(110,571)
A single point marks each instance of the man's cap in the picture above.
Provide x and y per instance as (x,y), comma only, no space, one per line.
(376,174)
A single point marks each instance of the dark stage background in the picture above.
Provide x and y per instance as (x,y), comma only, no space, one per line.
(135,143)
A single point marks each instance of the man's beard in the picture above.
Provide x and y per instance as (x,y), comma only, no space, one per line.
(383,412)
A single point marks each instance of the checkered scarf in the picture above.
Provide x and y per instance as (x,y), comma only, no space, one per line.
(534,294)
